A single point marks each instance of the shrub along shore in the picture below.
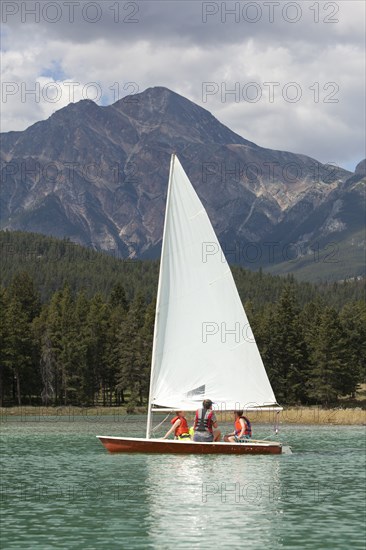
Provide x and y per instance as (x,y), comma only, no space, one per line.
(355,416)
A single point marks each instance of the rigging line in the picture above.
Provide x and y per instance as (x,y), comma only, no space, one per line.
(276,426)
(265,438)
(162,422)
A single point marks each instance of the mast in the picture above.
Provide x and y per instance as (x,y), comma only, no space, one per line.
(149,410)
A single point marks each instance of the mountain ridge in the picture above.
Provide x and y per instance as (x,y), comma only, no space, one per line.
(98,175)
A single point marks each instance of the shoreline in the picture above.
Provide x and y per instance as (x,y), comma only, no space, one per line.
(355,416)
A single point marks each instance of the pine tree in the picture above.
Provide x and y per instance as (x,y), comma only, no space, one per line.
(116,321)
(289,353)
(50,337)
(18,347)
(22,289)
(147,334)
(310,318)
(266,342)
(70,350)
(118,297)
(131,352)
(84,389)
(353,320)
(5,372)
(60,348)
(96,323)
(328,359)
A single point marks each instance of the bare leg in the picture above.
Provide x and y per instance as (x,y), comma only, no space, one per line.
(217,435)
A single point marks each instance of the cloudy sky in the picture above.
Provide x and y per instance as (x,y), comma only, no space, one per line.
(286,75)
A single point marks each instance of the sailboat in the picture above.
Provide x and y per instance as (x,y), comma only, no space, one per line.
(201,348)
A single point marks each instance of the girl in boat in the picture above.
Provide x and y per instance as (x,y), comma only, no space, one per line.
(243,429)
(179,427)
(204,424)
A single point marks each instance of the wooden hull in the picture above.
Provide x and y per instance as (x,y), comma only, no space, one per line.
(140,445)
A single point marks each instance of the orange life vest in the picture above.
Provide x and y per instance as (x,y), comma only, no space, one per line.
(183,426)
(238,426)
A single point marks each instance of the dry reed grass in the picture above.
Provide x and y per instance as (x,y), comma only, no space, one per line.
(291,415)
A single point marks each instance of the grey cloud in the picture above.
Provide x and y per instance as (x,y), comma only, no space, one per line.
(189,21)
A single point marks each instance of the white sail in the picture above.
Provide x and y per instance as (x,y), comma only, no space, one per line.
(203,346)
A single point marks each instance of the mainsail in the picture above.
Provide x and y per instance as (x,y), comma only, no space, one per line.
(203,346)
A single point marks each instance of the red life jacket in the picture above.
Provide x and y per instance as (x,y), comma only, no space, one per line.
(248,426)
(183,426)
(203,421)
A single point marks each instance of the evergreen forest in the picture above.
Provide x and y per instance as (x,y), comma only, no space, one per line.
(77,328)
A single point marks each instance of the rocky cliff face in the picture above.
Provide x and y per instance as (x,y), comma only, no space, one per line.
(99,176)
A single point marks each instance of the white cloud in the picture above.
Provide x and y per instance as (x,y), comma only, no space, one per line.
(172,47)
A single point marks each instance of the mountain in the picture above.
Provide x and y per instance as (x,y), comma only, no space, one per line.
(98,175)
(335,247)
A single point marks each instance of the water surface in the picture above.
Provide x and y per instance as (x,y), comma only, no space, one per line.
(61,489)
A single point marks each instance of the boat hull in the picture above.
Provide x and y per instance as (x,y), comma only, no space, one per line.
(140,445)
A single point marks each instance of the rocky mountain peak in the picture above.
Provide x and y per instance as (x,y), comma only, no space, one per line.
(113,198)
(176,115)
(360,169)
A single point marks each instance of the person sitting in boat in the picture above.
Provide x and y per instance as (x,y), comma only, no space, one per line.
(179,427)
(243,429)
(204,424)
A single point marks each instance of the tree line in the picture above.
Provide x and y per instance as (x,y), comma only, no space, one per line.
(80,349)
(52,263)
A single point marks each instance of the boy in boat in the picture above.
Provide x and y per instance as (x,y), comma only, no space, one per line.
(179,427)
(204,424)
(243,429)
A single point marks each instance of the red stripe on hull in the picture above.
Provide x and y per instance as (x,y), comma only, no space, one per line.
(120,445)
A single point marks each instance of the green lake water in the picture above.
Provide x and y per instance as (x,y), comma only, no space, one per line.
(61,489)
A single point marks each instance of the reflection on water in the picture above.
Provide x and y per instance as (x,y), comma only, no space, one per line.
(206,500)
(61,489)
